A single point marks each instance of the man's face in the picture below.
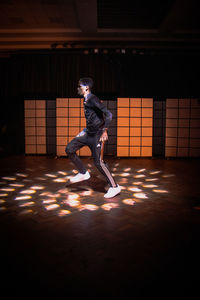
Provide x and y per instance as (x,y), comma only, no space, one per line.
(82,89)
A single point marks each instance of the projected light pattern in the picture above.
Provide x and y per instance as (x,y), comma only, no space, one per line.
(52,193)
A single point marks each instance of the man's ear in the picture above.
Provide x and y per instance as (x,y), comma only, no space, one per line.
(87,88)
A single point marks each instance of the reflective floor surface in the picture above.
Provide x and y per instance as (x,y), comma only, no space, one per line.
(66,241)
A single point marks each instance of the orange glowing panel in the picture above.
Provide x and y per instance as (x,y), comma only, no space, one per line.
(122,151)
(135,151)
(147,102)
(147,112)
(148,122)
(123,122)
(123,112)
(61,131)
(62,112)
(147,131)
(135,102)
(135,112)
(135,122)
(75,102)
(123,102)
(146,151)
(61,122)
(134,131)
(123,131)
(74,112)
(62,102)
(123,141)
(74,122)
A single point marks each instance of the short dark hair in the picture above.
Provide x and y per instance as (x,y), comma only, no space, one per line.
(87,81)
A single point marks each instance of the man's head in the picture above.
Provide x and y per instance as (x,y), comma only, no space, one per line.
(85,85)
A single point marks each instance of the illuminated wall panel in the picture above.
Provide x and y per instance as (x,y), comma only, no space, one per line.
(134,126)
(35,126)
(70,120)
(182,128)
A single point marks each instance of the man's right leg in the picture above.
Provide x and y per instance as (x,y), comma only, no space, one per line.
(72,147)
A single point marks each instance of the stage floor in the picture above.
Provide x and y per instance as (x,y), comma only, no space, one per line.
(66,241)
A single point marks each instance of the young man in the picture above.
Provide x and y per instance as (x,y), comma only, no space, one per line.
(94,135)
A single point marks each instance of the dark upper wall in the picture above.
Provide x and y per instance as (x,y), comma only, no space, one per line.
(51,75)
(56,75)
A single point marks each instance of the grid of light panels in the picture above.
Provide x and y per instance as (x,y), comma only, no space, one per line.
(70,120)
(35,126)
(134,127)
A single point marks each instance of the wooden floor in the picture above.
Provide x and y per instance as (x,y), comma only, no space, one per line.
(66,241)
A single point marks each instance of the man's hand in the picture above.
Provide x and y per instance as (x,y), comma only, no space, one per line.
(104,136)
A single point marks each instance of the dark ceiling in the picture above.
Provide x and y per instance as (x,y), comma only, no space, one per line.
(142,24)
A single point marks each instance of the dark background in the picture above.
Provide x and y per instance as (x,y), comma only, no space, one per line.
(48,74)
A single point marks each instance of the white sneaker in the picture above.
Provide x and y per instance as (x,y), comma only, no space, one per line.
(112,192)
(80,177)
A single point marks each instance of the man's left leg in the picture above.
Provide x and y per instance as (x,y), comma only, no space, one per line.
(96,148)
